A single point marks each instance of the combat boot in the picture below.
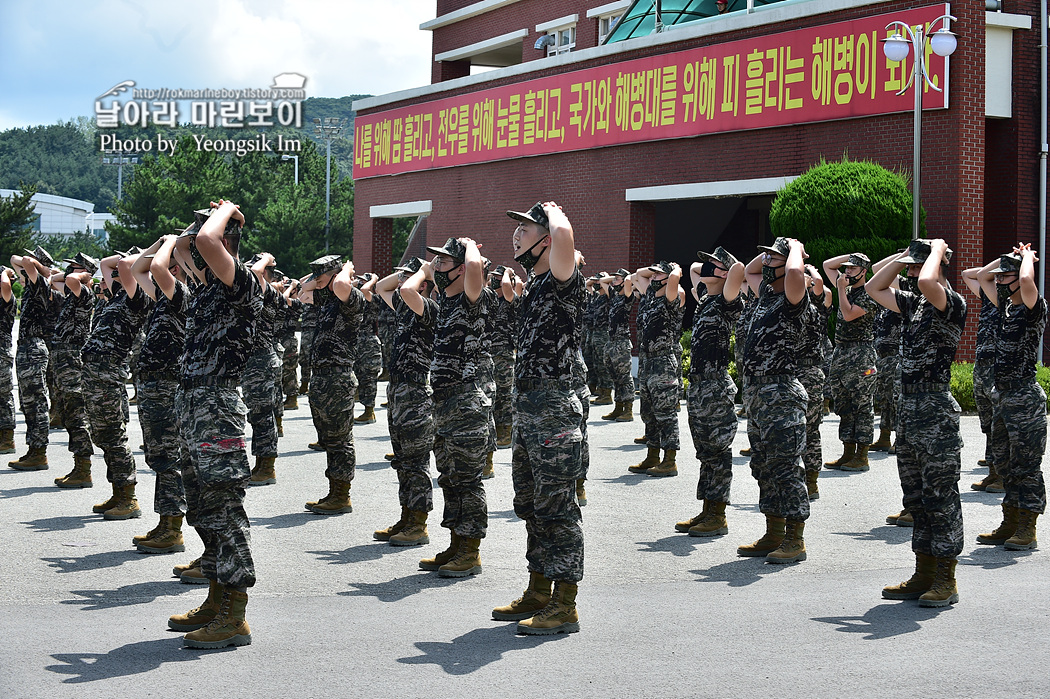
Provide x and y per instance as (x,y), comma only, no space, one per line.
(581,492)
(181,568)
(992,483)
(291,402)
(746,451)
(151,533)
(713,523)
(395,528)
(414,532)
(1004,531)
(770,541)
(279,420)
(793,548)
(194,576)
(367,417)
(616,412)
(811,484)
(228,628)
(901,519)
(559,616)
(651,460)
(80,476)
(503,433)
(859,461)
(489,470)
(336,502)
(316,446)
(918,584)
(883,443)
(263,473)
(667,467)
(535,598)
(685,525)
(466,562)
(7,441)
(198,618)
(35,459)
(848,450)
(126,505)
(628,412)
(1024,537)
(444,557)
(604,397)
(644,439)
(304,387)
(167,539)
(107,504)
(827,406)
(943,591)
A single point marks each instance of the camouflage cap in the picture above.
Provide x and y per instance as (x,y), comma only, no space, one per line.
(721,257)
(411,265)
(233,226)
(498,271)
(858,259)
(81,260)
(662,266)
(534,215)
(42,256)
(1008,264)
(919,251)
(621,273)
(452,248)
(324,265)
(258,256)
(780,246)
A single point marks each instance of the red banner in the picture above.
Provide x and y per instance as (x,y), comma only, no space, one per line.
(835,71)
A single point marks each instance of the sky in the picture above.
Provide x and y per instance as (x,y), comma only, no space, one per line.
(58,56)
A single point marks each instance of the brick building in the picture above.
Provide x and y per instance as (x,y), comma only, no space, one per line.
(791,82)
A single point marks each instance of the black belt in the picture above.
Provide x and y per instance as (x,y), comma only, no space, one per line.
(331,370)
(708,373)
(158,376)
(188,382)
(416,377)
(104,359)
(527,384)
(764,379)
(445,392)
(1015,384)
(913,388)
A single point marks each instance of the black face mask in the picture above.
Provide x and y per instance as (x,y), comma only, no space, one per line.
(769,274)
(911,284)
(859,279)
(495,283)
(707,269)
(528,258)
(322,295)
(618,288)
(442,280)
(1004,292)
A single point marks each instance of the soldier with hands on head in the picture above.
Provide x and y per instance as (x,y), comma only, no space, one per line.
(618,355)
(811,374)
(369,362)
(984,376)
(503,318)
(261,376)
(7,361)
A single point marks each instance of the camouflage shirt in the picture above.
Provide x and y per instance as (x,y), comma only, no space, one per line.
(369,316)
(929,337)
(620,315)
(888,332)
(1017,342)
(54,310)
(338,323)
(74,320)
(220,326)
(987,327)
(117,325)
(502,317)
(292,312)
(413,349)
(7,321)
(309,320)
(815,331)
(165,332)
(36,304)
(267,329)
(459,328)
(549,332)
(601,312)
(659,322)
(860,329)
(713,323)
(775,333)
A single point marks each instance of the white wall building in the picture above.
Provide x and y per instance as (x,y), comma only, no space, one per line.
(61,215)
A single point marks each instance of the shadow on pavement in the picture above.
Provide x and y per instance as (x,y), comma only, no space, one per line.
(504,514)
(139,593)
(286,521)
(992,557)
(400,588)
(677,545)
(22,492)
(737,573)
(132,659)
(885,620)
(93,561)
(474,649)
(62,524)
(890,533)
(359,554)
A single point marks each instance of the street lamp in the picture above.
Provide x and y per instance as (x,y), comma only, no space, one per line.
(896,48)
(120,160)
(328,129)
(296,159)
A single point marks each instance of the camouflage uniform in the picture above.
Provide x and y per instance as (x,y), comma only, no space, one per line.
(618,355)
(71,332)
(290,360)
(369,354)
(984,365)
(31,358)
(888,367)
(53,393)
(659,331)
(260,378)
(928,439)
(503,318)
(743,325)
(547,446)
(712,394)
(600,341)
(158,384)
(852,378)
(589,307)
(387,332)
(7,361)
(811,375)
(776,404)
(644,404)
(220,330)
(105,357)
(306,340)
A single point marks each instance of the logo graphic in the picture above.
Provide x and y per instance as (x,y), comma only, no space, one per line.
(288,81)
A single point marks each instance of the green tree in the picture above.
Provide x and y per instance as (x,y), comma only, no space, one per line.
(16,219)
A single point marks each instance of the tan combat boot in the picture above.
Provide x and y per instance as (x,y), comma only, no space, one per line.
(667,467)
(199,617)
(489,470)
(848,450)
(126,505)
(80,476)
(628,412)
(793,548)
(713,523)
(811,484)
(883,443)
(35,459)
(616,412)
(1024,537)
(304,387)
(336,502)
(503,434)
(466,562)
(181,568)
(581,492)
(194,576)
(228,628)
(151,533)
(264,472)
(901,519)
(280,425)
(992,479)
(395,528)
(444,557)
(107,504)
(367,417)
(685,525)
(414,532)
(604,397)
(535,598)
(918,584)
(291,402)
(1004,531)
(651,460)
(770,541)
(167,539)
(644,439)
(943,591)
(559,616)
(859,461)
(7,441)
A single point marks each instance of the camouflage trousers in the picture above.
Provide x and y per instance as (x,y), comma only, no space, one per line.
(278,382)
(928,461)
(546,463)
(887,390)
(306,347)
(411,423)
(587,350)
(776,428)
(1018,440)
(289,365)
(461,442)
(211,422)
(852,386)
(7,389)
(165,451)
(103,393)
(503,372)
(660,394)
(332,407)
(54,396)
(812,379)
(367,366)
(712,423)
(31,366)
(133,359)
(599,353)
(487,382)
(584,394)
(983,386)
(618,362)
(259,385)
(69,375)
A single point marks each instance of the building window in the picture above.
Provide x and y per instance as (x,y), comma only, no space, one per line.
(605,26)
(564,40)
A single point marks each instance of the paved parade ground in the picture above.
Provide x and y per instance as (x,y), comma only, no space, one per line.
(336,614)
